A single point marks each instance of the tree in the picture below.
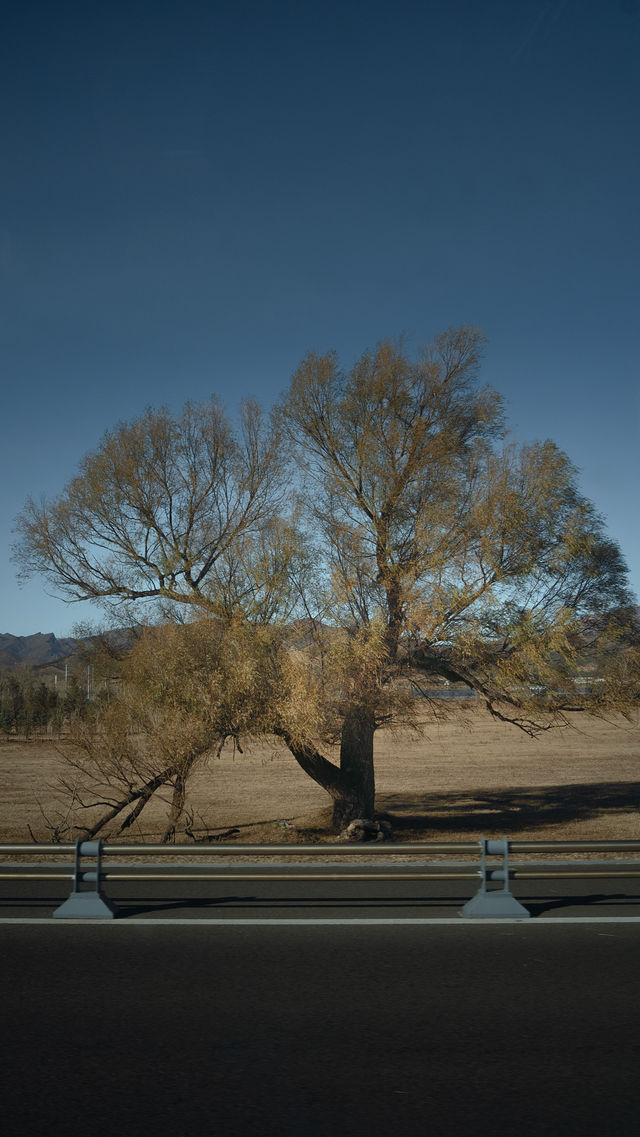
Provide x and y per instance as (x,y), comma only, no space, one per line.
(11,703)
(157,512)
(420,548)
(25,703)
(180,692)
(451,556)
(74,700)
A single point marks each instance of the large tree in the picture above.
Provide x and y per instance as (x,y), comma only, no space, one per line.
(421,548)
(455,556)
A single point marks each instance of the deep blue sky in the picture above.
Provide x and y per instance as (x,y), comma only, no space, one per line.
(195,194)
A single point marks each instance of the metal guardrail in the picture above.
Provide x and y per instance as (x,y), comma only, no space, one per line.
(90,867)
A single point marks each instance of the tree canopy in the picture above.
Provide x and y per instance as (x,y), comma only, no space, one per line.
(469,552)
(161,510)
(383,530)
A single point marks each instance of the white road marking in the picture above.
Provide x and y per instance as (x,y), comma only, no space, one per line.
(460,921)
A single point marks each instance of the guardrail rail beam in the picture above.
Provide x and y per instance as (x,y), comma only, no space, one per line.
(93,865)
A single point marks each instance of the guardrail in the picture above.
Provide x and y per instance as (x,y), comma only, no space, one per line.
(90,867)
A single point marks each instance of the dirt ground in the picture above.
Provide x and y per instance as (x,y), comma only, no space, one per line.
(455,780)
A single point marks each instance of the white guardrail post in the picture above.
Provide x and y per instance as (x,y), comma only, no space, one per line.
(88,903)
(500,902)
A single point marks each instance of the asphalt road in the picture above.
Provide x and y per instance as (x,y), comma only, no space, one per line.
(131,1028)
(231,900)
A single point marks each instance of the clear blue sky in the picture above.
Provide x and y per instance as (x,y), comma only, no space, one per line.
(194,194)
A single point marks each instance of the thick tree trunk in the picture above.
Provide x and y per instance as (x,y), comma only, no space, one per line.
(357,791)
(352,783)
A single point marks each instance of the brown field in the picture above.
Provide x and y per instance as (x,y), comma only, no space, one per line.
(454,780)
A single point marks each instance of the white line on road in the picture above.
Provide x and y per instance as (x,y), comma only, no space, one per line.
(460,922)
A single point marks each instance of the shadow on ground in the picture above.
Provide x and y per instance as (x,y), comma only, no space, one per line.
(508,810)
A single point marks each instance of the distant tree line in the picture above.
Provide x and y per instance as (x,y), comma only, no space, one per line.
(28,706)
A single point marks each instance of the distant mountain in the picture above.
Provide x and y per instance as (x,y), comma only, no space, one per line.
(34,650)
(42,649)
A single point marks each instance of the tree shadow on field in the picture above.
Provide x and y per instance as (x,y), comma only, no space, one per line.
(507,810)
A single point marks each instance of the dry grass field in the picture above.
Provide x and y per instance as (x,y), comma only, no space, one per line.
(455,780)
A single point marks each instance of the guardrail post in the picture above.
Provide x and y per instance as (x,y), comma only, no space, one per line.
(496,903)
(90,903)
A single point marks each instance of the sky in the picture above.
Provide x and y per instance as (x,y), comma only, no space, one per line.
(193,195)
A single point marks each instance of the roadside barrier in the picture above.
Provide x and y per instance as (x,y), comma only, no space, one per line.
(90,867)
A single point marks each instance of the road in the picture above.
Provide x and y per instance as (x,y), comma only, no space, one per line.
(131,1028)
(233,900)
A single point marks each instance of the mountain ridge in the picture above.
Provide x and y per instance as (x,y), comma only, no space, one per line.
(42,649)
(36,649)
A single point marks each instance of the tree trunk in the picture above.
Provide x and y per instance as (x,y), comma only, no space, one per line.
(352,783)
(177,807)
(357,792)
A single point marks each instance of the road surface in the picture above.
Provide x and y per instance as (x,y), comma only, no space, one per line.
(229,900)
(190,1029)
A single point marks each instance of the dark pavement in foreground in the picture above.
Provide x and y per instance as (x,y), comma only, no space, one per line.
(132,1029)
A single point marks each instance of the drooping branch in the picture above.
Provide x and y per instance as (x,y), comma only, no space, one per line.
(428,660)
(138,797)
(324,772)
